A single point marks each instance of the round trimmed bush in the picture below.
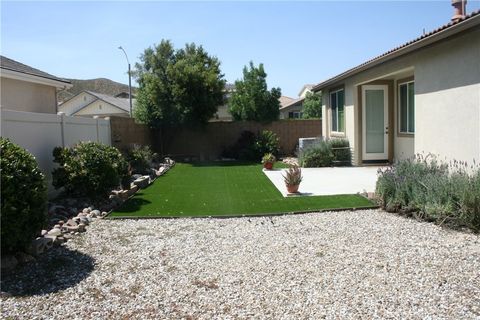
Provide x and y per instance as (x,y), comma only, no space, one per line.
(88,169)
(24,197)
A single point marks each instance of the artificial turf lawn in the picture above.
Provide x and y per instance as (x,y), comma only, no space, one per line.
(223,189)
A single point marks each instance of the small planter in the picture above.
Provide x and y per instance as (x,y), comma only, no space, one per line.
(268,160)
(268,165)
(292,189)
(292,179)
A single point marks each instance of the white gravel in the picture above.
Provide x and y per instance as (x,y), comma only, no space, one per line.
(335,265)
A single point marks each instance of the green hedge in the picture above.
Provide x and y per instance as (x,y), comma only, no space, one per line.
(23,197)
(88,169)
(433,191)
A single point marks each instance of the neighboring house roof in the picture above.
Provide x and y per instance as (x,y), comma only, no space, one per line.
(16,70)
(438,34)
(122,103)
(119,103)
(284,100)
(292,103)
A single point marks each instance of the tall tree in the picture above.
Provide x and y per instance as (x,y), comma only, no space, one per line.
(312,105)
(251,99)
(177,87)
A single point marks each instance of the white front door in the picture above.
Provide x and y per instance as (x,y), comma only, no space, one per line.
(375,122)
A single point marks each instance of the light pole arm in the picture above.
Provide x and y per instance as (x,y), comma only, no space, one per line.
(129,80)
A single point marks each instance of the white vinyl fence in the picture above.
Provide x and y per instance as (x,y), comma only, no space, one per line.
(39,133)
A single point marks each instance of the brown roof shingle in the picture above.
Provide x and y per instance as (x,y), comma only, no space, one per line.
(10,64)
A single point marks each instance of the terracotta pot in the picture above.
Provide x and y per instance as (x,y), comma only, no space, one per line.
(292,189)
(268,165)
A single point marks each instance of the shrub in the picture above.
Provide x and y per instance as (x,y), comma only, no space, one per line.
(251,147)
(433,191)
(242,147)
(88,169)
(266,142)
(327,153)
(317,155)
(139,159)
(23,197)
(341,152)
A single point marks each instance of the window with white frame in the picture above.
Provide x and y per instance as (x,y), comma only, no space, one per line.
(337,103)
(295,115)
(406,106)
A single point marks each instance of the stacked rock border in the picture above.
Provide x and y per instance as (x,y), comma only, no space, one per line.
(66,220)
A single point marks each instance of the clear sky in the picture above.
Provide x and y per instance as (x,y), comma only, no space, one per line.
(298,42)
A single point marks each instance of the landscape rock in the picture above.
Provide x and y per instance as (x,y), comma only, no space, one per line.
(69,228)
(43,232)
(95,212)
(142,182)
(54,232)
(40,245)
(71,223)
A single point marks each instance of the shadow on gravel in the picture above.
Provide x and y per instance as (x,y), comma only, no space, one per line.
(56,270)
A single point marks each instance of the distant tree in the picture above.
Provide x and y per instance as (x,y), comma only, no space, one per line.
(251,100)
(177,87)
(312,105)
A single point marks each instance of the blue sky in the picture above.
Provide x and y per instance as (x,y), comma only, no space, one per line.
(298,42)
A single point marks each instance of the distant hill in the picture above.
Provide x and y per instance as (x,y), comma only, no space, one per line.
(100,85)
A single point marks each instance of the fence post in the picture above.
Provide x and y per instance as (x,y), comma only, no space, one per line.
(109,135)
(62,126)
(96,123)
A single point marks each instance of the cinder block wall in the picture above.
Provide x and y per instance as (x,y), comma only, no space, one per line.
(208,142)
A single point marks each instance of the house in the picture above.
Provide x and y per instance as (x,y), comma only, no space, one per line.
(24,88)
(421,97)
(222,113)
(291,108)
(89,104)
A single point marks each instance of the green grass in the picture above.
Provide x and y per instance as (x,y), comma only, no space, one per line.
(223,189)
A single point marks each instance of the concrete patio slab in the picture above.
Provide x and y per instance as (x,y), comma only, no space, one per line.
(329,181)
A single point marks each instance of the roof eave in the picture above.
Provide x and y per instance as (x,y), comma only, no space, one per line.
(461,26)
(16,75)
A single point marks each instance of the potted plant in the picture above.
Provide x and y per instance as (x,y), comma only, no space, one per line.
(268,160)
(293,178)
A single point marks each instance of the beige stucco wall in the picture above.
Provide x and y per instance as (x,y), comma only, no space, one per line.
(447,99)
(26,96)
(102,109)
(74,104)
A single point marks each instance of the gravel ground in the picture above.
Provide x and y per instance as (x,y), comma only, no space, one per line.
(335,265)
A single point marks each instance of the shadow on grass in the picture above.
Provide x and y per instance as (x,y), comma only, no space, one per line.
(56,270)
(134,204)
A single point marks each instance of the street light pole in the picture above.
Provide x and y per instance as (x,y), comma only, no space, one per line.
(129,80)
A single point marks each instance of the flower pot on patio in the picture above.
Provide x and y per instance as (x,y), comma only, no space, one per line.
(292,189)
(268,165)
(292,179)
(268,160)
